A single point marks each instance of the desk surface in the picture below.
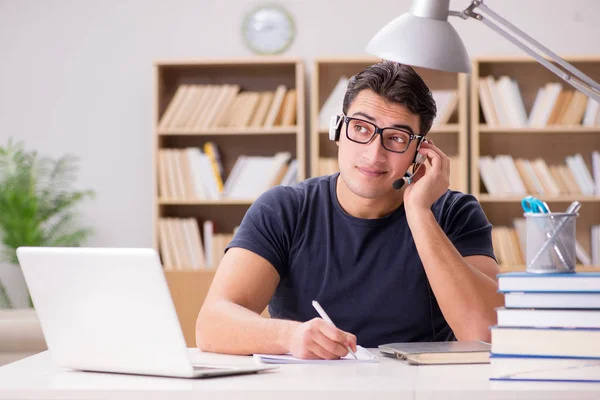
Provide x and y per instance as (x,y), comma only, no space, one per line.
(37,377)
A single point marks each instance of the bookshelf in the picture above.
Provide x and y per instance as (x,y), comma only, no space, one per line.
(233,125)
(529,123)
(451,136)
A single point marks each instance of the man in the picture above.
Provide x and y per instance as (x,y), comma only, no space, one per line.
(387,265)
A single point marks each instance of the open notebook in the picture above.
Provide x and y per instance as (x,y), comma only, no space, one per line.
(363,355)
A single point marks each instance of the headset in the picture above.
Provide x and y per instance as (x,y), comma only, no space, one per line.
(335,128)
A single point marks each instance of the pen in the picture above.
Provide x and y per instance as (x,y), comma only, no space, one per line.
(324,315)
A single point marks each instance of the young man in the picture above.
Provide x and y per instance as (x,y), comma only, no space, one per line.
(387,265)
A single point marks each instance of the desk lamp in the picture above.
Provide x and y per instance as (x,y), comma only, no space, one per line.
(423,37)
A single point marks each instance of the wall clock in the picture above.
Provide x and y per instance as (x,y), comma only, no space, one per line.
(268,29)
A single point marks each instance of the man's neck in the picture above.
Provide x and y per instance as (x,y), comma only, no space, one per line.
(365,208)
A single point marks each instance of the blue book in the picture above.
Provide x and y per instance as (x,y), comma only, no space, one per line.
(561,282)
(554,300)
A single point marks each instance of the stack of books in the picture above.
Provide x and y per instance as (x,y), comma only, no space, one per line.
(549,329)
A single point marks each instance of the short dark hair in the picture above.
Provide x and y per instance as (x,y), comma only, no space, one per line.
(396,83)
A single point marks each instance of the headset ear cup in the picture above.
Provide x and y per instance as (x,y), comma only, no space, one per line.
(335,125)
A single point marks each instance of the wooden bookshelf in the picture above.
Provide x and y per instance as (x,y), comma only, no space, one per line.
(553,142)
(450,137)
(189,286)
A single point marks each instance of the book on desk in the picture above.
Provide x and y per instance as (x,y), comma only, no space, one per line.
(549,329)
(430,353)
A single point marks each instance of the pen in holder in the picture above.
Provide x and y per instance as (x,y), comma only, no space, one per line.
(551,241)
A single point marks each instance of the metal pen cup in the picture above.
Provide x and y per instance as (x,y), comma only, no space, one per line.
(551,242)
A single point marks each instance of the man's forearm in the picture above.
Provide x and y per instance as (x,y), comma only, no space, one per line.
(467,297)
(226,327)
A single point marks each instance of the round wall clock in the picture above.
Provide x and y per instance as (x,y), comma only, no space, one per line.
(268,29)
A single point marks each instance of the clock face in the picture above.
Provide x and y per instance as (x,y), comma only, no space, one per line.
(268,29)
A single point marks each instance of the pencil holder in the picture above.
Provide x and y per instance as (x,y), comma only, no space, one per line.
(550,242)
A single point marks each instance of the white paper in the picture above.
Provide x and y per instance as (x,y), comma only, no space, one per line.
(363,355)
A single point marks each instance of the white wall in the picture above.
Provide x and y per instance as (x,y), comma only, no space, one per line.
(76,76)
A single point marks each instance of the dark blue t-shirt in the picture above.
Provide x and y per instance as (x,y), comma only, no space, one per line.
(366,273)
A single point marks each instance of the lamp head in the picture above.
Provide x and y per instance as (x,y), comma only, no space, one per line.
(423,37)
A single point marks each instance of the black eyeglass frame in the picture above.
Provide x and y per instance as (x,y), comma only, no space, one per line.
(379,131)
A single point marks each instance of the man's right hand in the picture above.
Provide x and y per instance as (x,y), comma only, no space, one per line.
(318,339)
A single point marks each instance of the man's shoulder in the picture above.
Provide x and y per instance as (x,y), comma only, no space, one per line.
(453,196)
(454,201)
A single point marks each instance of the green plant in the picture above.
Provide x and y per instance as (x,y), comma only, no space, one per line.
(37,203)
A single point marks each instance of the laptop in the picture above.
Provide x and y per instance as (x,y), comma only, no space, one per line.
(110,310)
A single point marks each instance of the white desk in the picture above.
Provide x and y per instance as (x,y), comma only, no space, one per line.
(37,378)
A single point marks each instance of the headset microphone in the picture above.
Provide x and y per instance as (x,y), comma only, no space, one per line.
(407,178)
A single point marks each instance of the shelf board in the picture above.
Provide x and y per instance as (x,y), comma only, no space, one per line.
(547,129)
(578,268)
(486,198)
(449,128)
(197,202)
(276,130)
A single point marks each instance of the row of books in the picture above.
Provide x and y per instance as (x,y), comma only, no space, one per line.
(502,105)
(510,245)
(183,248)
(548,329)
(503,175)
(191,173)
(446,102)
(198,107)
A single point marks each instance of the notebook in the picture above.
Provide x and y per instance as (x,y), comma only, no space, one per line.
(363,356)
(429,353)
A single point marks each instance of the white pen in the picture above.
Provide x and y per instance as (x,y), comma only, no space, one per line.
(324,315)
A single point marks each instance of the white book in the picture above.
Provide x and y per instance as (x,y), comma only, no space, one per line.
(591,113)
(208,230)
(517,185)
(536,109)
(208,177)
(232,179)
(578,175)
(585,173)
(497,99)
(595,245)
(333,105)
(540,318)
(194,231)
(517,102)
(487,175)
(596,170)
(443,101)
(505,90)
(195,166)
(501,177)
(291,175)
(551,300)
(534,177)
(269,175)
(582,255)
(552,92)
(547,177)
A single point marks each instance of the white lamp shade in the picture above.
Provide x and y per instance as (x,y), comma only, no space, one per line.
(421,42)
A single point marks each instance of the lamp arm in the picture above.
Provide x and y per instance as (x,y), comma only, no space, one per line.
(572,75)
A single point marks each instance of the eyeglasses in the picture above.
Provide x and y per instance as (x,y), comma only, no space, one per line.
(392,139)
